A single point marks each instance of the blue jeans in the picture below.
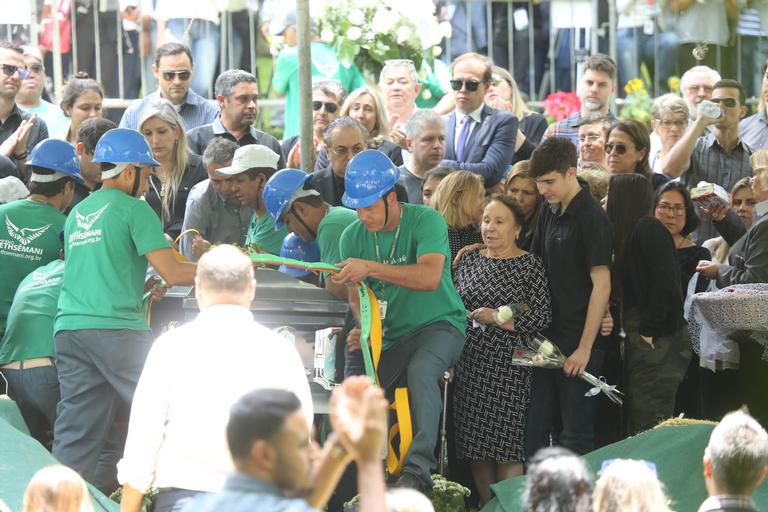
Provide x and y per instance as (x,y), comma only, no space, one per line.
(98,373)
(36,392)
(174,500)
(659,52)
(203,39)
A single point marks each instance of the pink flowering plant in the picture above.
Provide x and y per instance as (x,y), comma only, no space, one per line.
(559,105)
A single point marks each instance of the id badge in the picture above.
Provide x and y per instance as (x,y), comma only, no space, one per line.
(382,309)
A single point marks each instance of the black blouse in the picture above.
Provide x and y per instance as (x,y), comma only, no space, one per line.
(194,173)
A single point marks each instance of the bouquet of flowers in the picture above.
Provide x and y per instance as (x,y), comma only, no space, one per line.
(545,354)
(370,32)
(559,105)
(637,105)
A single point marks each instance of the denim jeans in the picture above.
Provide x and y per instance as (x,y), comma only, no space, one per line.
(203,39)
(36,392)
(659,52)
(174,500)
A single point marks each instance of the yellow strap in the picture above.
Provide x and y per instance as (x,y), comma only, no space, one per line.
(190,230)
(404,428)
(376,332)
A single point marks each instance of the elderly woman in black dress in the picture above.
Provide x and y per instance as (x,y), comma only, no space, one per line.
(492,395)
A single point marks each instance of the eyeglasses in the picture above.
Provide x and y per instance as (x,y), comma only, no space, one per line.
(35,68)
(704,87)
(329,107)
(669,123)
(10,70)
(588,138)
(666,209)
(620,148)
(728,102)
(471,85)
(184,75)
(343,150)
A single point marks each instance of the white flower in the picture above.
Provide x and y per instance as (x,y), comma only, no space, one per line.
(356,17)
(426,94)
(546,349)
(403,34)
(327,35)
(383,21)
(537,360)
(504,313)
(436,51)
(354,33)
(446,29)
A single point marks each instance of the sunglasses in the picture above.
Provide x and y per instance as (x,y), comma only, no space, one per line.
(10,70)
(329,107)
(35,68)
(168,76)
(728,102)
(620,148)
(471,85)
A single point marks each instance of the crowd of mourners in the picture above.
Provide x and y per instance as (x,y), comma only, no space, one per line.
(585,227)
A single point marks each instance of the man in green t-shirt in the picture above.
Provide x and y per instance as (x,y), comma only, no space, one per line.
(401,251)
(101,331)
(252,166)
(325,64)
(29,228)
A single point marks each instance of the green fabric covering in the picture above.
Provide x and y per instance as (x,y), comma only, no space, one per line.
(677,452)
(21,457)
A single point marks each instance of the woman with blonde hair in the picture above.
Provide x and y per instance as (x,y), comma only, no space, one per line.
(365,105)
(57,488)
(629,486)
(522,187)
(179,168)
(460,199)
(503,94)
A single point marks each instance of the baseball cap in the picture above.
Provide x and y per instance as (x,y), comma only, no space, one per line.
(248,157)
(286,19)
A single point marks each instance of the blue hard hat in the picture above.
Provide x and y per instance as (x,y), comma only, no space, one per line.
(123,146)
(296,248)
(56,155)
(279,190)
(370,175)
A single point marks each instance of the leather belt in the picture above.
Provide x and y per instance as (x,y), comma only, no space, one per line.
(36,362)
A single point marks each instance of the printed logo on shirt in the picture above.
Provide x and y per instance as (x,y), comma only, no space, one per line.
(328,70)
(85,223)
(44,279)
(24,235)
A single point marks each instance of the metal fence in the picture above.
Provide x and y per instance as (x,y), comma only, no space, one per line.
(544,43)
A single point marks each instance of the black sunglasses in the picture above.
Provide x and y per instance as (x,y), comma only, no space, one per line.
(183,75)
(728,102)
(10,70)
(471,85)
(329,107)
(620,148)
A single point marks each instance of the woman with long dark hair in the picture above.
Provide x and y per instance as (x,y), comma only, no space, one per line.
(628,146)
(645,284)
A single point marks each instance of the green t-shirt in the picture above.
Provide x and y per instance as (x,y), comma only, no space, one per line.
(106,239)
(261,231)
(29,333)
(29,238)
(325,63)
(435,83)
(422,231)
(329,232)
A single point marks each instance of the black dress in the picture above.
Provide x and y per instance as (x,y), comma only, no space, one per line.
(492,395)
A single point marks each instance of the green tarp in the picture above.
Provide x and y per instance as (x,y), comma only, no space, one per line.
(677,452)
(21,457)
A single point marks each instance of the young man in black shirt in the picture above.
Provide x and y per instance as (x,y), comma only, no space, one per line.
(574,241)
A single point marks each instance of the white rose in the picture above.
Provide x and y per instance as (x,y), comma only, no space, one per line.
(437,51)
(354,33)
(546,349)
(383,21)
(426,94)
(446,29)
(403,34)
(537,360)
(327,35)
(504,314)
(356,17)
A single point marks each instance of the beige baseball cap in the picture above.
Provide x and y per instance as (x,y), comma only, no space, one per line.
(248,157)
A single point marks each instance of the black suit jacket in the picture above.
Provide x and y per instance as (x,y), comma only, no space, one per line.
(331,187)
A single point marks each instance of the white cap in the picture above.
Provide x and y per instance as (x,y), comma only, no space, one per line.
(248,157)
(12,188)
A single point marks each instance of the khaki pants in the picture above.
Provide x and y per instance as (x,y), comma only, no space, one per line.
(653,374)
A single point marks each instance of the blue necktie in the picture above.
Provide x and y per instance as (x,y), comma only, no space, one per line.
(463,134)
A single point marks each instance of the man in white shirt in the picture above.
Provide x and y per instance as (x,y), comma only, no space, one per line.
(192,376)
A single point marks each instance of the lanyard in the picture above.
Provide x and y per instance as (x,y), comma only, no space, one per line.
(394,243)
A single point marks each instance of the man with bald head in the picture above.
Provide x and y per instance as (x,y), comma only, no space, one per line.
(164,447)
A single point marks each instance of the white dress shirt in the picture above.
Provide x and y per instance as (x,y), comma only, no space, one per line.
(192,377)
(475,115)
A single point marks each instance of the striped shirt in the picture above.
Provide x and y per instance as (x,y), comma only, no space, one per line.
(710,162)
(195,111)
